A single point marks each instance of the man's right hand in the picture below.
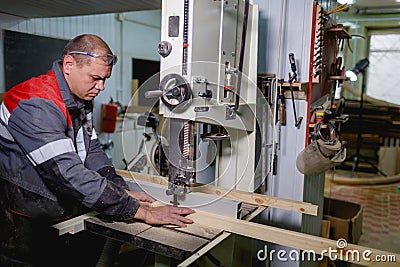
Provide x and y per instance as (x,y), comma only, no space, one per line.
(164,215)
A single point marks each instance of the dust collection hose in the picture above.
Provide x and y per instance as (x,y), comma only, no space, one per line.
(242,50)
(322,153)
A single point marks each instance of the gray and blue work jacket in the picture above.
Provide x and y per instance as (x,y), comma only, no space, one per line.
(49,147)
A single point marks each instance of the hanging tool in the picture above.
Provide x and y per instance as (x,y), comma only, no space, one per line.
(338,72)
(340,108)
(339,66)
(269,92)
(282,106)
(293,78)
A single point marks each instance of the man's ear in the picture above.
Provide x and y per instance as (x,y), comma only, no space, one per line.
(68,63)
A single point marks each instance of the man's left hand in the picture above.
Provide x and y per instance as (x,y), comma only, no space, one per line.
(143,198)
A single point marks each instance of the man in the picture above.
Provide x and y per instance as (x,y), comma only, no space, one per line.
(51,158)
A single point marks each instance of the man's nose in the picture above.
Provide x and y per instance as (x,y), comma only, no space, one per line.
(100,85)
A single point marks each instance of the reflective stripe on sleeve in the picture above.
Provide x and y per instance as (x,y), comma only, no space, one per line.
(5,133)
(80,145)
(51,150)
(94,134)
(4,113)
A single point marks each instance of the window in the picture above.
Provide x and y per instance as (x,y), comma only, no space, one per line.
(384,69)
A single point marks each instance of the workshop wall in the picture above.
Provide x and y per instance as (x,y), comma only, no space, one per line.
(131,34)
(276,44)
(360,24)
(66,28)
(141,33)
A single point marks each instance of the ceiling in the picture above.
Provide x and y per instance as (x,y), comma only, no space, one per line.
(375,3)
(375,7)
(61,8)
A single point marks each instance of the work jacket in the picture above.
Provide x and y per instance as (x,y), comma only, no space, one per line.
(48,147)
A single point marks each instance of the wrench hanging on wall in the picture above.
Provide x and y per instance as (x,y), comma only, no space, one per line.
(293,78)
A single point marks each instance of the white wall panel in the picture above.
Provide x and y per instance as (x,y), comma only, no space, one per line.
(135,36)
(136,44)
(141,34)
(296,19)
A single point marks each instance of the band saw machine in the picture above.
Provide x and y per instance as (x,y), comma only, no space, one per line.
(208,94)
(219,129)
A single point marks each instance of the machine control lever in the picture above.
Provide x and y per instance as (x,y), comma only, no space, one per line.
(176,91)
(206,94)
(153,93)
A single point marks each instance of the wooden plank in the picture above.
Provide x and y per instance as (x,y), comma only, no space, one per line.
(248,209)
(325,228)
(74,225)
(291,239)
(197,230)
(378,180)
(211,233)
(259,199)
(254,214)
(160,240)
(169,242)
(300,95)
(143,177)
(198,200)
(247,197)
(133,227)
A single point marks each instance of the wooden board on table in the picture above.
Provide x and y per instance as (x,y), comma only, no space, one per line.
(170,242)
(291,238)
(160,236)
(246,197)
(197,230)
(133,227)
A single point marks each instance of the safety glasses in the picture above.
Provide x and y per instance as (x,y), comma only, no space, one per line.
(110,58)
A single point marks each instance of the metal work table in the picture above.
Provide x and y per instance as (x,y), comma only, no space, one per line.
(182,244)
(167,241)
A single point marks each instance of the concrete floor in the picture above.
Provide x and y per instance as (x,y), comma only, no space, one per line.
(381,210)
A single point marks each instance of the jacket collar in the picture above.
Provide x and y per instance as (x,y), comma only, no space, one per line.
(64,88)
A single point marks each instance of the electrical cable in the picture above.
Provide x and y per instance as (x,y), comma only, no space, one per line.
(242,50)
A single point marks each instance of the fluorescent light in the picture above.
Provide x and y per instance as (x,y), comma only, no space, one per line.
(350,2)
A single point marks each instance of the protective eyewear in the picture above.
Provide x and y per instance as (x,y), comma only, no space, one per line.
(111,59)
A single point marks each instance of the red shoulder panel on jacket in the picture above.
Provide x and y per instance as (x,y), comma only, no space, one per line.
(44,86)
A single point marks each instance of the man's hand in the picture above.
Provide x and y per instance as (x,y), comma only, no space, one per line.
(143,198)
(164,215)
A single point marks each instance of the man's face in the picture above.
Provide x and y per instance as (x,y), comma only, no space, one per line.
(85,81)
